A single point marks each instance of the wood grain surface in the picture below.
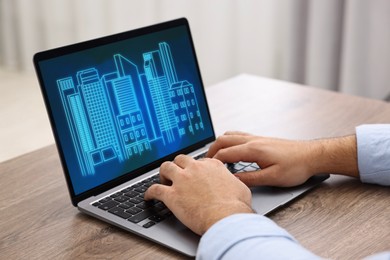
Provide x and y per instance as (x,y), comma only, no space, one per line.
(341,219)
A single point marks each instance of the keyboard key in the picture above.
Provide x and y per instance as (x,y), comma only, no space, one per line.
(96,204)
(121,199)
(149,224)
(117,194)
(134,210)
(131,194)
(145,204)
(136,185)
(156,179)
(108,205)
(136,200)
(230,167)
(147,185)
(245,163)
(165,212)
(126,205)
(238,167)
(141,216)
(141,189)
(242,167)
(105,200)
(120,212)
(126,190)
(147,180)
(159,206)
(251,168)
(156,218)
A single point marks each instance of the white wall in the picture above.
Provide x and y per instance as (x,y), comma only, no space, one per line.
(334,44)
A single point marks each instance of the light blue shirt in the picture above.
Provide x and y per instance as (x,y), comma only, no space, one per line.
(252,236)
(373,145)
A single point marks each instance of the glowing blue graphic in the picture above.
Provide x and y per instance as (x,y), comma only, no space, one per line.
(109,119)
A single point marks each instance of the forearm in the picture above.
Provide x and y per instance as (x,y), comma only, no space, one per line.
(334,155)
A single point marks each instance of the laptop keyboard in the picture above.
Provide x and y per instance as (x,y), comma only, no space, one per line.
(129,203)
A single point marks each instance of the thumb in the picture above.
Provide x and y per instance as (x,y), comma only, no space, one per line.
(262,177)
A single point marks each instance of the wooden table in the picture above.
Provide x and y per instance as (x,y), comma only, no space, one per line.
(341,219)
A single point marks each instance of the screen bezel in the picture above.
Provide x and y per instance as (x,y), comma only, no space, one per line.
(53,53)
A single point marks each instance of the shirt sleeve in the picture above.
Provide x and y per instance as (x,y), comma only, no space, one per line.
(250,236)
(373,145)
(253,236)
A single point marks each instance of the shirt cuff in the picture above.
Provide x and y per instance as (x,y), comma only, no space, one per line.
(249,236)
(373,145)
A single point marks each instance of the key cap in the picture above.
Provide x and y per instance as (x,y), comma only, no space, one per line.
(149,224)
(105,200)
(126,205)
(134,210)
(96,204)
(121,199)
(108,205)
(131,194)
(156,218)
(141,216)
(120,212)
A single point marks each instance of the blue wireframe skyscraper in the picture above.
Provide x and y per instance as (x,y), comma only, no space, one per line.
(167,63)
(100,116)
(129,115)
(159,90)
(79,127)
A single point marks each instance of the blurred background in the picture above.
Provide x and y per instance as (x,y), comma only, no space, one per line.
(340,45)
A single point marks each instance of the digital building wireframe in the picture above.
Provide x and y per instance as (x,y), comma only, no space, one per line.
(121,114)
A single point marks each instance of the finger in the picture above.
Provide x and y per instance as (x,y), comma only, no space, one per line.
(158,192)
(270,176)
(237,133)
(257,178)
(224,141)
(236,153)
(168,172)
(183,160)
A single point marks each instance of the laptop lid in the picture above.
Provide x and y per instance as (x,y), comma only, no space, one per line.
(121,105)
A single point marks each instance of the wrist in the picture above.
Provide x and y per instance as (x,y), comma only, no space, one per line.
(221,211)
(334,155)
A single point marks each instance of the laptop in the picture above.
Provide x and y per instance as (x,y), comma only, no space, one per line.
(121,105)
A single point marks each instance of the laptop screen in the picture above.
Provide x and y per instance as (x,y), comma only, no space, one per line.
(121,103)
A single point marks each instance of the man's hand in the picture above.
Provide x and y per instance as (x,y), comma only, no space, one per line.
(283,163)
(200,193)
(286,163)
